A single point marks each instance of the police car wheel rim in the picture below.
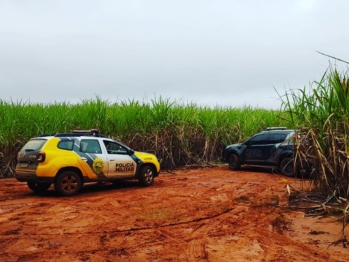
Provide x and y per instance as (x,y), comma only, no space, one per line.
(148,176)
(69,183)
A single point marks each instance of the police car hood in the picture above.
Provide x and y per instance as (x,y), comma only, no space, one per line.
(143,155)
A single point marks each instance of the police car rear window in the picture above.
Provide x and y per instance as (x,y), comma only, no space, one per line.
(34,144)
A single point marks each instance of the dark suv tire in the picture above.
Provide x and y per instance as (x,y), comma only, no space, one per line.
(287,167)
(234,162)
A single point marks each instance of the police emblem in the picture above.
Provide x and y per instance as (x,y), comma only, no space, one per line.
(98,165)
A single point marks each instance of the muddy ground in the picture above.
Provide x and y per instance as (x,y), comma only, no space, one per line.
(210,214)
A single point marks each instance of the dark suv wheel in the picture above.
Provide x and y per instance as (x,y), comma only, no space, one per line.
(234,162)
(287,167)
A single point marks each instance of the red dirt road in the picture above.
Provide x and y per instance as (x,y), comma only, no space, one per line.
(211,214)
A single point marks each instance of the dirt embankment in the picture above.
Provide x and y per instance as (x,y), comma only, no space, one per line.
(211,214)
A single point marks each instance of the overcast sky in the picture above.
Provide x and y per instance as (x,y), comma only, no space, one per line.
(217,52)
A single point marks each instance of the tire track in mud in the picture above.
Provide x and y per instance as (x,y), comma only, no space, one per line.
(7,242)
(34,233)
(196,249)
(197,241)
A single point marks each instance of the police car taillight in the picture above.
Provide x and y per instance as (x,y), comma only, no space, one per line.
(40,157)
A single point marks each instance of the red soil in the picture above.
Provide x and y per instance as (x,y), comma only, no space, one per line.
(211,214)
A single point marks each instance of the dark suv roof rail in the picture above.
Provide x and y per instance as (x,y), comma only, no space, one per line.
(276,128)
(76,133)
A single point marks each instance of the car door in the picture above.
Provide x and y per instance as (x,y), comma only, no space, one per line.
(90,151)
(254,149)
(120,163)
(269,146)
(271,149)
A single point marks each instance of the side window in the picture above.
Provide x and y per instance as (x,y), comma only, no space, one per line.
(258,140)
(277,138)
(90,146)
(66,144)
(114,148)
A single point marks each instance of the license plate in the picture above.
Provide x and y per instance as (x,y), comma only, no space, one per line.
(24,164)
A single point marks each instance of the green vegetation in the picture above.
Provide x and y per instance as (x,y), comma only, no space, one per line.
(179,134)
(322,116)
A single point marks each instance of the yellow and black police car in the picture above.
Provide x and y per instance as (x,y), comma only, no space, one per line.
(68,160)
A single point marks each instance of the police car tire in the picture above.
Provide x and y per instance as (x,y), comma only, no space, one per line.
(234,162)
(38,187)
(146,175)
(68,183)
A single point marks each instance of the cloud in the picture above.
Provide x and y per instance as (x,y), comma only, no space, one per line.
(232,52)
(304,5)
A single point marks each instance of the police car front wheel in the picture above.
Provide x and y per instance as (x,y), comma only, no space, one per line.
(146,176)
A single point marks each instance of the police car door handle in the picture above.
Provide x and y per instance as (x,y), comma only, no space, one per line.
(84,158)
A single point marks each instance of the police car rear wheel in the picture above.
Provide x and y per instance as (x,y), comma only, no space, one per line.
(38,187)
(146,176)
(68,183)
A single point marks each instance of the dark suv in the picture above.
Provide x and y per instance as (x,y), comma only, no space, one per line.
(272,147)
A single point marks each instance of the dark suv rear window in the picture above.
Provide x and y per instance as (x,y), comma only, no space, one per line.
(34,144)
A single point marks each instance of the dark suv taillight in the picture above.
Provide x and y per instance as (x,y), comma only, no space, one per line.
(41,157)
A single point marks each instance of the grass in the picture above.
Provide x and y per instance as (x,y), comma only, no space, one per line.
(179,134)
(321,115)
